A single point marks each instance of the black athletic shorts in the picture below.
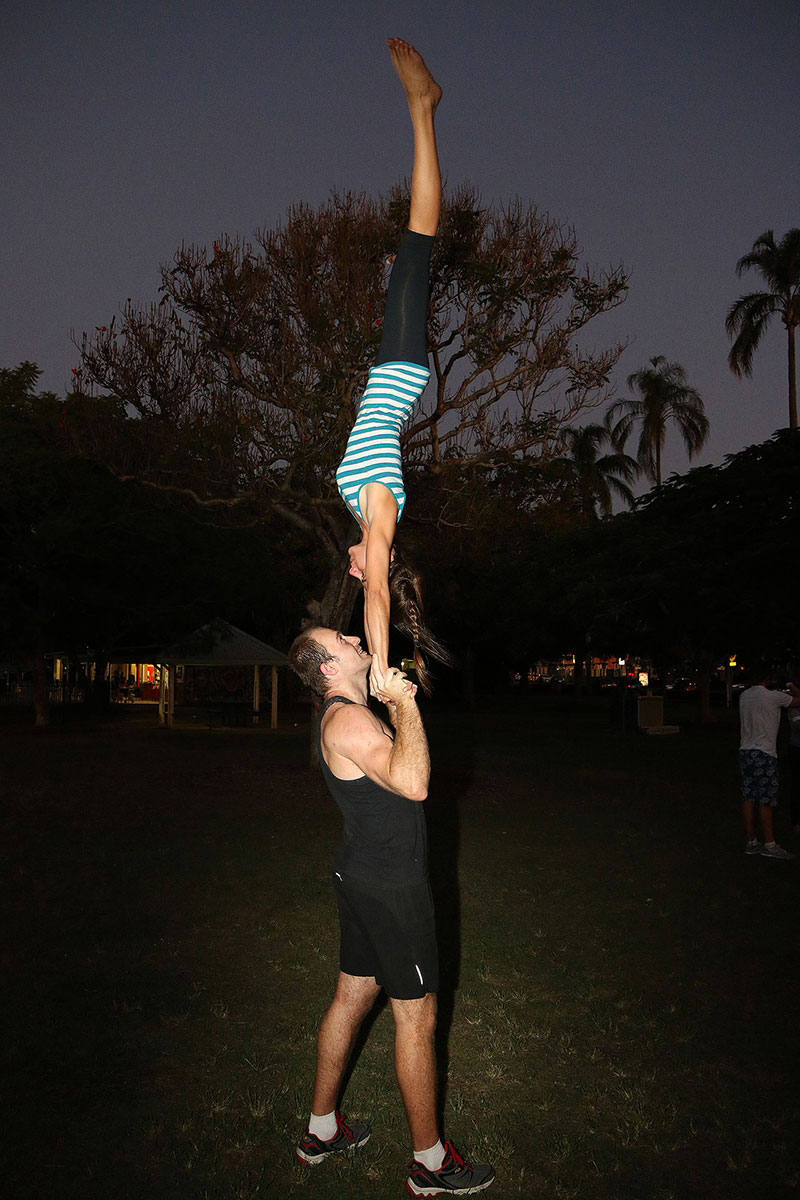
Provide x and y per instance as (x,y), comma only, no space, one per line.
(388,933)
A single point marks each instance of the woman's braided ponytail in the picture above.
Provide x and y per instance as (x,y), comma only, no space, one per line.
(409,618)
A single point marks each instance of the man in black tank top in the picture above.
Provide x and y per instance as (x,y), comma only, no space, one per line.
(378,777)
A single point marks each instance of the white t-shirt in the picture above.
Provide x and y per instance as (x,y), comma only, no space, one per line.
(760,717)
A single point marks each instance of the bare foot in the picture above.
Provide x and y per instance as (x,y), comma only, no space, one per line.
(415,77)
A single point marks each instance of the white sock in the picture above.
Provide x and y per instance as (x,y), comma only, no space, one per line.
(770,844)
(433,1158)
(323,1127)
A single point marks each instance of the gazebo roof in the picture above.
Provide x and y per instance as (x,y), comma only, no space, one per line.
(221,644)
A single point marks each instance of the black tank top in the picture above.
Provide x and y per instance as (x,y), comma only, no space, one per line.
(385,840)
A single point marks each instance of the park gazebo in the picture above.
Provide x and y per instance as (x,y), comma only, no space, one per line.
(219,646)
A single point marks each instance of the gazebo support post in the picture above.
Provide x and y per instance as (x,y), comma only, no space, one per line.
(171,695)
(162,687)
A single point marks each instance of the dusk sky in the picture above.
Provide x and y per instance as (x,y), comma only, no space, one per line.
(666,132)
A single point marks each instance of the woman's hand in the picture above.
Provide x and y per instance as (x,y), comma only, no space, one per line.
(389,685)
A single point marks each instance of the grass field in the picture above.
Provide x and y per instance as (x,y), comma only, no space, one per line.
(618,1017)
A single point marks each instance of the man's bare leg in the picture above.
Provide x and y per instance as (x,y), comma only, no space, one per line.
(355,996)
(423,94)
(765,816)
(415,1064)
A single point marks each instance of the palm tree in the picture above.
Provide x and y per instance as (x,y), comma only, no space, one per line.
(664,395)
(779,265)
(595,478)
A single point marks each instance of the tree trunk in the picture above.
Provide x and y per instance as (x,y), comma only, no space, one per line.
(580,674)
(577,674)
(468,678)
(41,691)
(704,688)
(99,692)
(334,611)
(792,380)
(313,725)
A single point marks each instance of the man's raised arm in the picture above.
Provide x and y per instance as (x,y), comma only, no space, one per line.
(403,765)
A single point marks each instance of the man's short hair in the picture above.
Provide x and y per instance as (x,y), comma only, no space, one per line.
(306,656)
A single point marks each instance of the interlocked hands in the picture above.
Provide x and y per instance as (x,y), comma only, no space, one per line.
(390,686)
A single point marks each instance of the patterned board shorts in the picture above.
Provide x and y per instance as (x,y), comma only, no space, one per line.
(759,773)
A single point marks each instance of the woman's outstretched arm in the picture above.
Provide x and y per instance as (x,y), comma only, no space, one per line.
(381,507)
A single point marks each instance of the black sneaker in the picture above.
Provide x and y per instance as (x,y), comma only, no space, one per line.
(347,1137)
(454,1178)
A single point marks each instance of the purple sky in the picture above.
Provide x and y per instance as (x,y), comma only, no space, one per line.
(667,132)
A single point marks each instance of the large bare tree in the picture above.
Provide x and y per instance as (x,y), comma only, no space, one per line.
(242,382)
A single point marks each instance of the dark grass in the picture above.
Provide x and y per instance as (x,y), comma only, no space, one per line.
(620,983)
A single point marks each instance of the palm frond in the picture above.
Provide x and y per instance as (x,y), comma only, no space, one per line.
(664,396)
(760,256)
(749,318)
(778,263)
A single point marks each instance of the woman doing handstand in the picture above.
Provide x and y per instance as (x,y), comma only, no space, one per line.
(370,477)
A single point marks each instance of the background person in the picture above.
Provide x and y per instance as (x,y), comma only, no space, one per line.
(760,708)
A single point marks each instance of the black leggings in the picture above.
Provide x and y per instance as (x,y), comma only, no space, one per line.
(406,316)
